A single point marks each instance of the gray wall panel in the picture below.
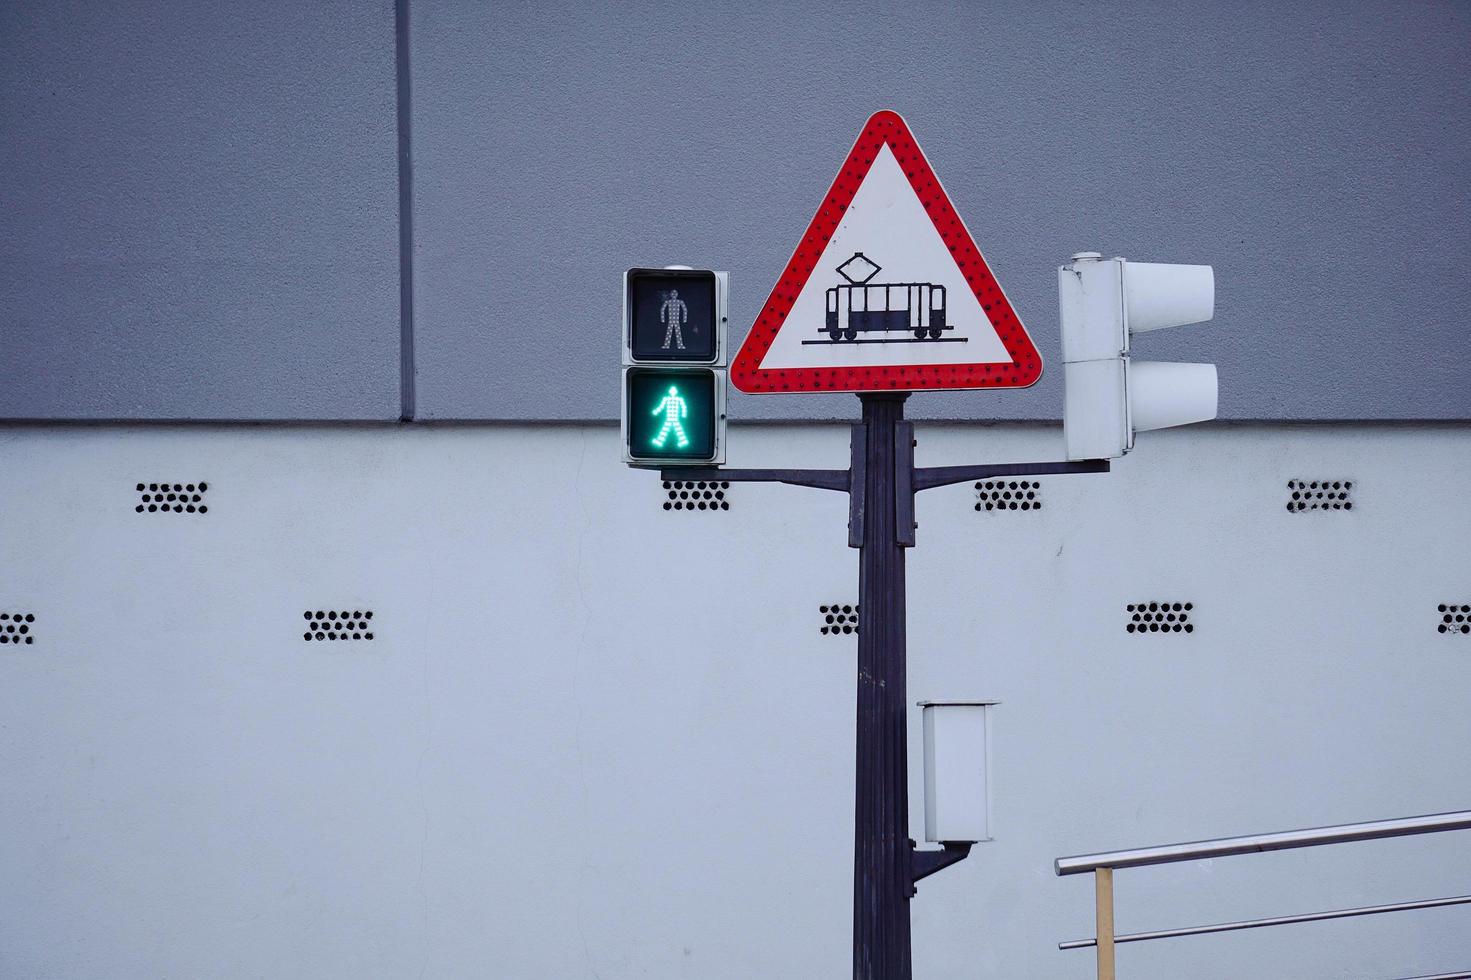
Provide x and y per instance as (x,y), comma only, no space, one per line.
(1315,153)
(200,213)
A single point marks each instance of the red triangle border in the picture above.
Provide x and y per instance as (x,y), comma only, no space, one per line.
(886,127)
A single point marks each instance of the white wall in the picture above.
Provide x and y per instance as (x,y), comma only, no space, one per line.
(596,739)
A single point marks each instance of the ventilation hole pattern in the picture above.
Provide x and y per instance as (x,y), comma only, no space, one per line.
(1455,620)
(1319,495)
(16,628)
(1009,495)
(330,624)
(696,495)
(838,620)
(171,498)
(1160,617)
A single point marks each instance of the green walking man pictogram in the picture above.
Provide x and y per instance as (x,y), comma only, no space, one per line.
(674,408)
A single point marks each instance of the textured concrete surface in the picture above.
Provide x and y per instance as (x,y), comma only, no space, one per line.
(1314,153)
(201,214)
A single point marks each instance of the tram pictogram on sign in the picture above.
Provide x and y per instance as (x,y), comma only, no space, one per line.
(886,290)
(892,309)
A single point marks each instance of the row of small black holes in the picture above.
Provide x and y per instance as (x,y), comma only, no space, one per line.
(839,619)
(1009,495)
(16,628)
(1160,617)
(1025,495)
(696,495)
(1319,495)
(1145,617)
(332,625)
(180,498)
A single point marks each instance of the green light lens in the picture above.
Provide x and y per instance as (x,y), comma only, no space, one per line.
(671,414)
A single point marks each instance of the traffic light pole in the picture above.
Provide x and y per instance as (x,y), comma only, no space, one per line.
(881,482)
(882,875)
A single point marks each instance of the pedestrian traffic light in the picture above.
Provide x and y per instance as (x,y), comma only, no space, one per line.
(674,314)
(672,415)
(674,356)
(1109,395)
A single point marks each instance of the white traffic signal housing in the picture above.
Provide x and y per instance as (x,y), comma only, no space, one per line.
(1109,395)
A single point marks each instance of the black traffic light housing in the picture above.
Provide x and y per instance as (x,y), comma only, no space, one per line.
(674,357)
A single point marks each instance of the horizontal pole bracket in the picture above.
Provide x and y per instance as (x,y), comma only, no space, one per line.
(820,479)
(929,477)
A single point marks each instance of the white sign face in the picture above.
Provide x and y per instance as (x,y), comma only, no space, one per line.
(887,225)
(886,290)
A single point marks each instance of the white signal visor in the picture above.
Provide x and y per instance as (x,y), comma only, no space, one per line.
(1164,394)
(1158,295)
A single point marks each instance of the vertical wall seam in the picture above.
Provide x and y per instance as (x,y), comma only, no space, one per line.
(405,214)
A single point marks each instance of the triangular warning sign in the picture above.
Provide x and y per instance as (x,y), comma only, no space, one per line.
(887,290)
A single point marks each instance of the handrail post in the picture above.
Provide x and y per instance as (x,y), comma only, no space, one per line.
(1103,900)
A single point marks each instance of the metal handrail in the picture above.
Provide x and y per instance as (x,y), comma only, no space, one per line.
(1226,846)
(1278,920)
(1103,865)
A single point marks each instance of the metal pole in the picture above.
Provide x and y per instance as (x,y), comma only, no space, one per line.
(1103,913)
(881,858)
(1140,857)
(1278,920)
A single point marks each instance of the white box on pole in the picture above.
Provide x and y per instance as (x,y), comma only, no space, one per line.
(957,770)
